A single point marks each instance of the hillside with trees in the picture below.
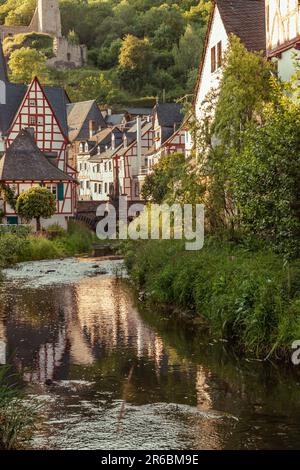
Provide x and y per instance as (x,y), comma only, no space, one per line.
(136,48)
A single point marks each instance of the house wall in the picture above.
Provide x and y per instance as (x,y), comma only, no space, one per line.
(209,80)
(283,30)
(286,64)
(64,207)
(283,22)
(48,135)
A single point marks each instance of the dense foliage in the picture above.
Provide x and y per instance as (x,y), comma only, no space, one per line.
(248,152)
(140,45)
(173,180)
(250,298)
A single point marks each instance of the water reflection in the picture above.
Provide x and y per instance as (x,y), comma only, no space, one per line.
(112,377)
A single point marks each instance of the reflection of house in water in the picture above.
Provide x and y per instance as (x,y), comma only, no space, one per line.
(110,321)
(77,325)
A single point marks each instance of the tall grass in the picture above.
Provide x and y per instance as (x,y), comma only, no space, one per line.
(17,419)
(250,298)
(15,247)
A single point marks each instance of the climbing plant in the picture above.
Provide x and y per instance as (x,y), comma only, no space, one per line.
(8,194)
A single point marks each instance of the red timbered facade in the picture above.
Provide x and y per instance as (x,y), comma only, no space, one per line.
(131,164)
(37,113)
(33,151)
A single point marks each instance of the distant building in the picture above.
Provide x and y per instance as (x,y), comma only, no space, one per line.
(33,143)
(84,121)
(283,35)
(169,137)
(47,20)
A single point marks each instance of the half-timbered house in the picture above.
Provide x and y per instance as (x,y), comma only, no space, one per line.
(283,34)
(42,109)
(168,134)
(23,166)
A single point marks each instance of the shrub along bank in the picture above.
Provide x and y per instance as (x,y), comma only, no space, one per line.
(250,298)
(21,246)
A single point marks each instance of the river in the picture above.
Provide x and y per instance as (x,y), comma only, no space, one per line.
(110,375)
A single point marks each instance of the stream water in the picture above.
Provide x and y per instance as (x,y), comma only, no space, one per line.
(107,375)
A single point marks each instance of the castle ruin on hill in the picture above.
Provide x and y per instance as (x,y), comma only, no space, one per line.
(47,20)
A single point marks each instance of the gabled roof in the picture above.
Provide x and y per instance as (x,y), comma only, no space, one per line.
(79,115)
(245,19)
(15,94)
(169,114)
(115,119)
(24,161)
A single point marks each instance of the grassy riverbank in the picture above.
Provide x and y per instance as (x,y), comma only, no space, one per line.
(250,298)
(55,243)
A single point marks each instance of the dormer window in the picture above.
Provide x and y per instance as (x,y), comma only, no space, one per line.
(86,148)
(81,147)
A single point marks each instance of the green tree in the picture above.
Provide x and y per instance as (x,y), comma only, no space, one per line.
(173,179)
(244,89)
(187,53)
(27,63)
(36,203)
(135,54)
(266,176)
(91,87)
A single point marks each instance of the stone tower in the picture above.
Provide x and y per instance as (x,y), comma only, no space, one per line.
(46,18)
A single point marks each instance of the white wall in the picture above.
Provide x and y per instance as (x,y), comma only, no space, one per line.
(286,64)
(209,80)
(283,22)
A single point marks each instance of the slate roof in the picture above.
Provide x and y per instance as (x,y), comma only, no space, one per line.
(139,111)
(169,114)
(3,68)
(79,115)
(24,161)
(15,94)
(245,19)
(114,119)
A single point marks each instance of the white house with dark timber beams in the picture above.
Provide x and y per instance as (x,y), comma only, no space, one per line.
(283,35)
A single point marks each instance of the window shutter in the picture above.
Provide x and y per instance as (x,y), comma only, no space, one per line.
(213,59)
(219,54)
(60,191)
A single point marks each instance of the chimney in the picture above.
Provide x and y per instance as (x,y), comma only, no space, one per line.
(92,128)
(113,141)
(125,140)
(109,112)
(139,143)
